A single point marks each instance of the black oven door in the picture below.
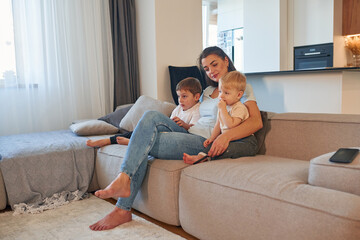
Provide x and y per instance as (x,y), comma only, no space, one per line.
(313,62)
(313,56)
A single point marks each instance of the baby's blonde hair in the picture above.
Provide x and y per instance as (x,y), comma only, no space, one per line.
(234,80)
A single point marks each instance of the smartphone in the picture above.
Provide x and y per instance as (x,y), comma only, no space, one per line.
(344,155)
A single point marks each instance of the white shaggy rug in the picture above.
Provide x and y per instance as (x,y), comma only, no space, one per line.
(72,221)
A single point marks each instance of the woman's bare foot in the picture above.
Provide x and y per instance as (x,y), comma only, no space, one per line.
(122,140)
(98,143)
(115,218)
(120,187)
(190,159)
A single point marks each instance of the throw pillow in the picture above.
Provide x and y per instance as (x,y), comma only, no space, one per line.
(93,127)
(142,104)
(260,134)
(115,117)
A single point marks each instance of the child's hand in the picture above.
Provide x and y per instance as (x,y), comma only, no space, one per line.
(207,142)
(178,121)
(222,104)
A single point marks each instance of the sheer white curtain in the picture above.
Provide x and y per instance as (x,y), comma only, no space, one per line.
(64,65)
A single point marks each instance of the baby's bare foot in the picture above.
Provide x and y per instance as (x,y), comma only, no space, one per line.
(122,140)
(120,187)
(190,159)
(115,218)
(98,143)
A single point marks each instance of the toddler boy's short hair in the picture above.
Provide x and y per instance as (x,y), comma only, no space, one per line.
(190,84)
(234,79)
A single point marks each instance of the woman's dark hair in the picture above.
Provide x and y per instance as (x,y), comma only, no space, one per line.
(220,53)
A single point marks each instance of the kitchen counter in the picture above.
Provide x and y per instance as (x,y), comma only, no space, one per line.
(330,90)
(329,69)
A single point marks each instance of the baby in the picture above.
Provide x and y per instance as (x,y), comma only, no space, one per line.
(231,112)
(186,114)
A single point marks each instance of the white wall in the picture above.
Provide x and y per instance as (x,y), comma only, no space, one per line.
(230,14)
(265,35)
(169,33)
(179,38)
(146,38)
(350,101)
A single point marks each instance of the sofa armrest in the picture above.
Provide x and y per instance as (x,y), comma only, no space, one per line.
(3,196)
(337,176)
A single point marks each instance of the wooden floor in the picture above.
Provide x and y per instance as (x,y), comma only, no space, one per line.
(174,229)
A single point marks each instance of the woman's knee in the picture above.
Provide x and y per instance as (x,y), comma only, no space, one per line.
(150,114)
(153,115)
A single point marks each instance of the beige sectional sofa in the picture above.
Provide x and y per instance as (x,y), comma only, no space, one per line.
(263,197)
(288,191)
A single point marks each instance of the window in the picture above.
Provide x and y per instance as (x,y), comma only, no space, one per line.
(7,47)
(63,69)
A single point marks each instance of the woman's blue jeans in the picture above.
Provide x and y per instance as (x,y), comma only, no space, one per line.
(159,136)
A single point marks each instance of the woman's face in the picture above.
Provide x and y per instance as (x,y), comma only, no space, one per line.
(215,67)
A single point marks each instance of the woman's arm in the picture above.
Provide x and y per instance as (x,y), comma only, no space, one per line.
(245,129)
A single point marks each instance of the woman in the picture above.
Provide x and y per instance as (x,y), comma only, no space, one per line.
(158,136)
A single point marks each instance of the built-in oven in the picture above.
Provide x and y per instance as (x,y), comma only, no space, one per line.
(313,56)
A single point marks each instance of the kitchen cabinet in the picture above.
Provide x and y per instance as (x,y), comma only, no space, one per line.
(351,17)
(313,22)
(334,90)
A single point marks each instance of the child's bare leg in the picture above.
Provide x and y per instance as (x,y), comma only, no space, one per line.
(98,143)
(190,159)
(122,140)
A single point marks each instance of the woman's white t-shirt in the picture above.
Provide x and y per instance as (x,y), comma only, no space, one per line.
(208,110)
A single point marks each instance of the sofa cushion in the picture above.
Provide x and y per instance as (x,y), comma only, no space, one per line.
(142,104)
(263,197)
(115,117)
(159,194)
(342,177)
(93,127)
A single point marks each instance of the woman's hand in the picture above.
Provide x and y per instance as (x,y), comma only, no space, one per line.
(219,145)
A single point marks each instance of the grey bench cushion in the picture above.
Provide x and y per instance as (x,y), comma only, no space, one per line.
(37,165)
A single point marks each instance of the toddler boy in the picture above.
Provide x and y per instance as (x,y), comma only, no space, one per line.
(186,114)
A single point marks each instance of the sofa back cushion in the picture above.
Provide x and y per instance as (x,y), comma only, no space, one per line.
(143,104)
(115,117)
(306,135)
